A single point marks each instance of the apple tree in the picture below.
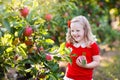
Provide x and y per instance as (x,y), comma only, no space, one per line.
(26,44)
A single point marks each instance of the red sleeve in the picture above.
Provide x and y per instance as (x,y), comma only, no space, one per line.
(95,49)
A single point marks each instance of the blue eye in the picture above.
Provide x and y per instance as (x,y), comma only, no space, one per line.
(72,30)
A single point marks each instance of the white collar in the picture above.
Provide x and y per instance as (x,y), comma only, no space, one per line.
(83,45)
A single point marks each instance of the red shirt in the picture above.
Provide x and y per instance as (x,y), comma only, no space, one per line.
(76,72)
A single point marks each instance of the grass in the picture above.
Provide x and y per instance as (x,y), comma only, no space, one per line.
(109,68)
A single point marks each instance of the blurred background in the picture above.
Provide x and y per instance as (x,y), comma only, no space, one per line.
(32,37)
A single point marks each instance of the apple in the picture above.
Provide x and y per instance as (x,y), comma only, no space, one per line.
(24,12)
(98,24)
(16,57)
(41,48)
(48,57)
(28,31)
(48,17)
(28,42)
(53,38)
(42,76)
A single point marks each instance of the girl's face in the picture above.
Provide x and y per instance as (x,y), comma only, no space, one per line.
(77,32)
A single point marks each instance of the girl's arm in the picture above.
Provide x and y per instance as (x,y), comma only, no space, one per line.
(94,63)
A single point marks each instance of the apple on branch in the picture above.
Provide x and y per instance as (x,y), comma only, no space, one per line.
(48,17)
(28,31)
(24,12)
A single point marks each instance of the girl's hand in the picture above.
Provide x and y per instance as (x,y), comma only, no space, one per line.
(81,61)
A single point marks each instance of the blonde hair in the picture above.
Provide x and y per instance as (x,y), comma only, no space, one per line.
(88,36)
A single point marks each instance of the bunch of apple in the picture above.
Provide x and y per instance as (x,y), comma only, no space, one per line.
(28,31)
(34,49)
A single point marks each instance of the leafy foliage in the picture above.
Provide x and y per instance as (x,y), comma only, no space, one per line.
(27,54)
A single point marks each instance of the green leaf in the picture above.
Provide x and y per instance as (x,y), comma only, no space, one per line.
(83,62)
(1,33)
(20,32)
(55,67)
(74,55)
(57,58)
(30,19)
(49,41)
(22,52)
(68,59)
(53,77)
(3,30)
(28,70)
(67,50)
(62,47)
(1,60)
(10,49)
(6,24)
(2,49)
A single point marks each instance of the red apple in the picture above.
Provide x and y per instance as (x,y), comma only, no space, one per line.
(41,48)
(48,17)
(48,57)
(24,12)
(28,42)
(16,57)
(28,31)
(53,38)
(42,76)
(98,24)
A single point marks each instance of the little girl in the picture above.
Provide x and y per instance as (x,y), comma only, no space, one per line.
(84,50)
